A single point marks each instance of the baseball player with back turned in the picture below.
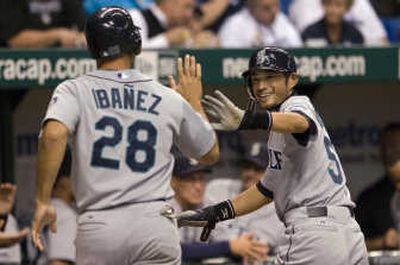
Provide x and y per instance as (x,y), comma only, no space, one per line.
(122,126)
(304,176)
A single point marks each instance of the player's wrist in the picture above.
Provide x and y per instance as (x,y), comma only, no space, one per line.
(42,202)
(256,120)
(224,211)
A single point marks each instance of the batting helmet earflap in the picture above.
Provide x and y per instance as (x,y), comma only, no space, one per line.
(269,58)
(110,32)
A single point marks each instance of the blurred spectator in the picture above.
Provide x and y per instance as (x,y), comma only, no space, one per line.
(260,23)
(373,210)
(165,24)
(41,23)
(189,183)
(264,222)
(10,235)
(332,29)
(361,15)
(214,12)
(169,23)
(92,5)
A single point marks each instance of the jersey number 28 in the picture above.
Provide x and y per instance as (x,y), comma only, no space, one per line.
(135,144)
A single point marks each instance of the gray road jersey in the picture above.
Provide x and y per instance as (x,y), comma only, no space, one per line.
(122,127)
(309,175)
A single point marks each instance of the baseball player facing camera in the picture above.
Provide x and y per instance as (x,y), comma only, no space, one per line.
(304,175)
(122,126)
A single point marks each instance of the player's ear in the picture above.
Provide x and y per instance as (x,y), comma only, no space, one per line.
(292,80)
(173,182)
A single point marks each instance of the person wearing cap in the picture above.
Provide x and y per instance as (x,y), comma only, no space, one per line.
(253,165)
(304,176)
(189,182)
(380,219)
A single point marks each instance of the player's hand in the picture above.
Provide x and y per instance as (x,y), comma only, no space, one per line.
(189,75)
(7,197)
(222,109)
(199,218)
(248,248)
(45,214)
(8,239)
(206,217)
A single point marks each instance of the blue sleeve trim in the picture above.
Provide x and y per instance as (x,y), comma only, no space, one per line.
(266,192)
(196,251)
(304,138)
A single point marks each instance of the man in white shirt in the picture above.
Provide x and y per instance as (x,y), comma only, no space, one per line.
(260,23)
(362,15)
(164,24)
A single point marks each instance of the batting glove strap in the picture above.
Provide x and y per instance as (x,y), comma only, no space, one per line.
(216,213)
(256,120)
(223,211)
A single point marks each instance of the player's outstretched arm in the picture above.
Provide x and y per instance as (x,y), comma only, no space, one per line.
(230,117)
(249,201)
(51,150)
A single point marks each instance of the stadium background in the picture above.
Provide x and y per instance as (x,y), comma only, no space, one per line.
(355,90)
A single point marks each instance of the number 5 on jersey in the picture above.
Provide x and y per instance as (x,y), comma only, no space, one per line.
(134,147)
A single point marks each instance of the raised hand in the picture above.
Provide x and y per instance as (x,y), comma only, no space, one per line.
(224,111)
(189,75)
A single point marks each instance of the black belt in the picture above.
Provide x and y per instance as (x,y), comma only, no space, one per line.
(321,211)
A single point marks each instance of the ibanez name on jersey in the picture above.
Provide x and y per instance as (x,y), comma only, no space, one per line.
(126,98)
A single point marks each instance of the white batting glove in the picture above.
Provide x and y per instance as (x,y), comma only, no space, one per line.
(222,109)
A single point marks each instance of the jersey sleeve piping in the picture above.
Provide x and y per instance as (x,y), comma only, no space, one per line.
(304,138)
(264,191)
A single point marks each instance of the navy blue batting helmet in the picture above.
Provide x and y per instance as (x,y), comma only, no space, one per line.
(110,32)
(269,58)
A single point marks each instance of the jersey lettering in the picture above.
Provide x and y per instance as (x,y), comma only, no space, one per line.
(335,168)
(275,159)
(127,98)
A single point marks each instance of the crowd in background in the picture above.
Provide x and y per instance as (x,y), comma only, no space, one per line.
(208,23)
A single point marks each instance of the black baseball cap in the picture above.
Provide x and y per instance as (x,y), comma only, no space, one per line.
(257,154)
(185,166)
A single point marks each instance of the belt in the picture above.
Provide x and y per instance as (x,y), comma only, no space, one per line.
(322,211)
(336,212)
